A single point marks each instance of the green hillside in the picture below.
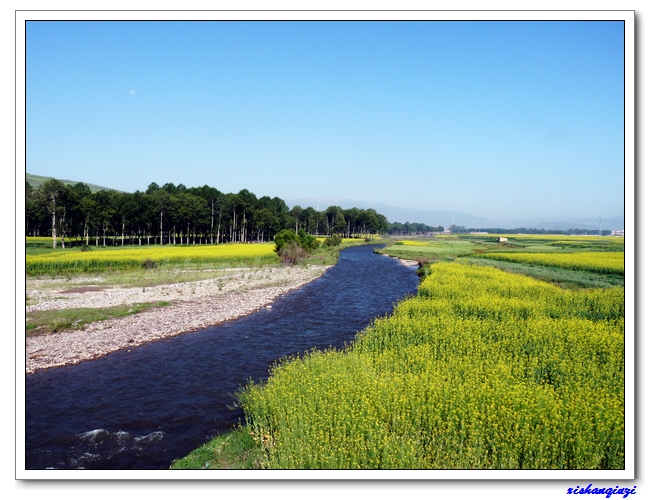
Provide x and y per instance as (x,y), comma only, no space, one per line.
(36,180)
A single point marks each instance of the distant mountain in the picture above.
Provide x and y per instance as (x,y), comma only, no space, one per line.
(37,180)
(608,223)
(446,218)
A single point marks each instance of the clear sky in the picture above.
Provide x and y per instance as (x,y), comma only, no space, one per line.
(503,120)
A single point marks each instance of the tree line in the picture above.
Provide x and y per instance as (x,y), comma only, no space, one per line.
(413,228)
(175,214)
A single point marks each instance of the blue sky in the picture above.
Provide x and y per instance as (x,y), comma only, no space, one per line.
(502,120)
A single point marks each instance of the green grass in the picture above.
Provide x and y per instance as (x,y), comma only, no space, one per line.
(235,450)
(46,322)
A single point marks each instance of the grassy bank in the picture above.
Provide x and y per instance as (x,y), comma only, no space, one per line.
(46,322)
(237,449)
(483,369)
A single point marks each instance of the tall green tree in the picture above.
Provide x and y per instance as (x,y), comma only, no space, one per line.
(192,211)
(49,196)
(162,200)
(297,214)
(214,199)
(105,214)
(264,220)
(339,225)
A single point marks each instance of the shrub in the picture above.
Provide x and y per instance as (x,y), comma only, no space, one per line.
(284,237)
(332,241)
(292,247)
(291,253)
(307,241)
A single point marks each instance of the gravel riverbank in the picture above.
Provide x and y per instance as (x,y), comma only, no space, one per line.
(194,305)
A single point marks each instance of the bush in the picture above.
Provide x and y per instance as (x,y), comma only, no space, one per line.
(284,237)
(307,241)
(333,241)
(292,247)
(291,253)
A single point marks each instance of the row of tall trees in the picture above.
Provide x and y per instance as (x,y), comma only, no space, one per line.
(175,214)
(413,228)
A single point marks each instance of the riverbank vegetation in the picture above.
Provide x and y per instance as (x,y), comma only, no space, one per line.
(486,368)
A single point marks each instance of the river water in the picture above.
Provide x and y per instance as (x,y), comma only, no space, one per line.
(143,408)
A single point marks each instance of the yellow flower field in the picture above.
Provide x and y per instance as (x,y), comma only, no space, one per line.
(482,370)
(130,257)
(602,262)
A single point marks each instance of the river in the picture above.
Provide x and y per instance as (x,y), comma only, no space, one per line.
(143,408)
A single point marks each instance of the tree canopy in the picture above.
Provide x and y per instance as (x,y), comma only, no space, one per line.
(176,214)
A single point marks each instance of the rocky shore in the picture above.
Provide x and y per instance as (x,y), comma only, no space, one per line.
(193,305)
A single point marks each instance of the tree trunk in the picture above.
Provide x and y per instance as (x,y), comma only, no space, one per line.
(219,227)
(212,225)
(53,228)
(243,229)
(63,230)
(233,227)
